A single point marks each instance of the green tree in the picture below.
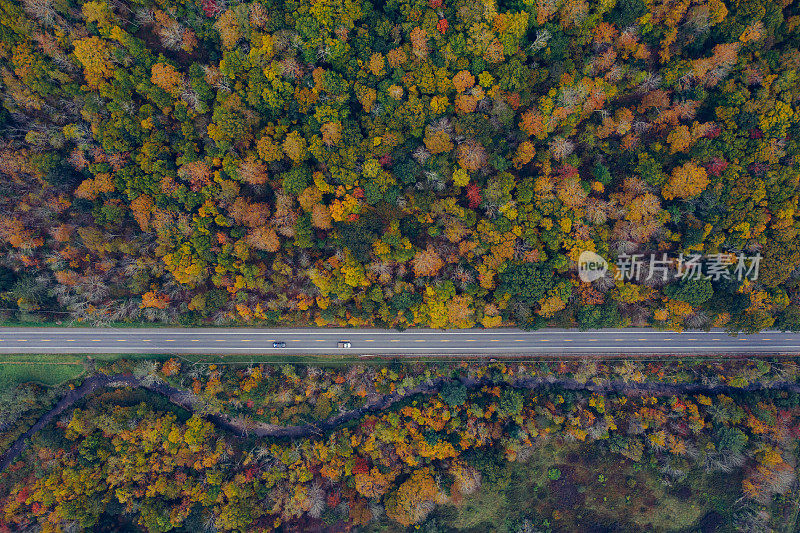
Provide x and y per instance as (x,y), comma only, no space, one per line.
(454,393)
(694,292)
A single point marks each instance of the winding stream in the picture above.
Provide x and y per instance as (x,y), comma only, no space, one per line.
(188,401)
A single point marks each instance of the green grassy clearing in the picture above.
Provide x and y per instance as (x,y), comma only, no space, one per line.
(54,369)
(47,369)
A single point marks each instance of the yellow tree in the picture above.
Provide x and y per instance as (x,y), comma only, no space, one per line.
(95,56)
(419,42)
(321,217)
(460,312)
(472,155)
(685,181)
(373,484)
(376,64)
(141,207)
(463,81)
(294,146)
(331,133)
(167,77)
(253,171)
(427,262)
(264,238)
(438,142)
(414,499)
(268,150)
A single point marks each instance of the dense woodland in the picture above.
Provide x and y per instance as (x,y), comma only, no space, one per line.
(436,163)
(602,446)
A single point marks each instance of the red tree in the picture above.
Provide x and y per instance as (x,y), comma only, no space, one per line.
(473,195)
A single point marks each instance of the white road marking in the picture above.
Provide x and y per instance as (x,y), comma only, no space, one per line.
(539,349)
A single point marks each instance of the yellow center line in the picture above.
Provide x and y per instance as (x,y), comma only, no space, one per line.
(393,340)
(45,340)
(320,340)
(567,340)
(494,340)
(169,340)
(619,340)
(444,340)
(220,340)
(642,339)
(592,340)
(295,340)
(544,340)
(519,340)
(470,340)
(369,340)
(195,340)
(742,339)
(122,340)
(766,339)
(22,340)
(667,339)
(244,340)
(716,340)
(70,340)
(97,340)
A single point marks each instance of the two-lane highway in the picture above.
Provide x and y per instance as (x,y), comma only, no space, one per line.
(473,342)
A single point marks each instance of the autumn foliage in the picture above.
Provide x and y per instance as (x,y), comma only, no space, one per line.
(337,162)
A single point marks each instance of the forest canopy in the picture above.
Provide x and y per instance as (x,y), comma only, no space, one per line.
(433,163)
(541,446)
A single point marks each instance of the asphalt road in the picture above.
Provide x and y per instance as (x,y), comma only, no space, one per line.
(366,342)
